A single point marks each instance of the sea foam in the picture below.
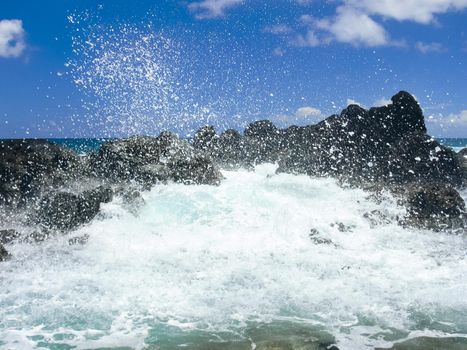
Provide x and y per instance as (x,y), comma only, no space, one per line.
(198,263)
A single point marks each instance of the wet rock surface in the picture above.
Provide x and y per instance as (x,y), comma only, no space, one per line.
(379,148)
(66,211)
(4,255)
(152,160)
(28,166)
(8,236)
(436,207)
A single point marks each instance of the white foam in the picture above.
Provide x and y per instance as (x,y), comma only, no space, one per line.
(215,258)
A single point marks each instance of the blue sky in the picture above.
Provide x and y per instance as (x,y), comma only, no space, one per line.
(111,67)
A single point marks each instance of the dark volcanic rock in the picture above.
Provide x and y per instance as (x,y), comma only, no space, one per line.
(8,236)
(261,142)
(229,149)
(436,207)
(4,255)
(66,211)
(149,160)
(418,158)
(60,211)
(204,138)
(393,121)
(386,144)
(195,170)
(28,166)
(462,156)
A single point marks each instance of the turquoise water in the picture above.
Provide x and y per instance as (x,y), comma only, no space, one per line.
(81,145)
(456,143)
(236,267)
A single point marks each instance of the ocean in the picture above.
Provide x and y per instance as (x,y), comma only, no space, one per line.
(260,257)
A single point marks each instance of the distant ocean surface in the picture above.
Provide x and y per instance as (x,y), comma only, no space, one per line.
(87,145)
(82,145)
(456,143)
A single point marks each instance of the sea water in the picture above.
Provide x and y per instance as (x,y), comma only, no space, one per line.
(198,265)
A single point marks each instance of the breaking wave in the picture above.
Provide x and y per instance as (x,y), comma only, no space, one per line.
(196,264)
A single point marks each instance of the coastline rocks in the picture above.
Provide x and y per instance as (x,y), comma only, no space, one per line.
(435,207)
(379,148)
(261,142)
(204,138)
(384,144)
(8,236)
(418,158)
(149,160)
(195,170)
(229,151)
(462,156)
(27,166)
(66,211)
(4,255)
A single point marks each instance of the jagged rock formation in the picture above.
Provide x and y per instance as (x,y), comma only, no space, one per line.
(436,207)
(383,147)
(29,166)
(150,160)
(4,255)
(66,211)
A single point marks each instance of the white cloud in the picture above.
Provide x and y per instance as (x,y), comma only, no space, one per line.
(206,9)
(302,116)
(351,101)
(452,125)
(422,11)
(378,103)
(309,39)
(12,38)
(356,22)
(382,102)
(451,120)
(457,119)
(429,47)
(354,27)
(307,112)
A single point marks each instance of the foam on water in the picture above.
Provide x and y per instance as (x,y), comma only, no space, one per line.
(217,259)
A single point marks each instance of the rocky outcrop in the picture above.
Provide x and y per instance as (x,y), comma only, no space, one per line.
(418,158)
(4,255)
(386,144)
(8,236)
(66,211)
(462,156)
(28,166)
(383,147)
(228,150)
(151,160)
(205,138)
(435,207)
